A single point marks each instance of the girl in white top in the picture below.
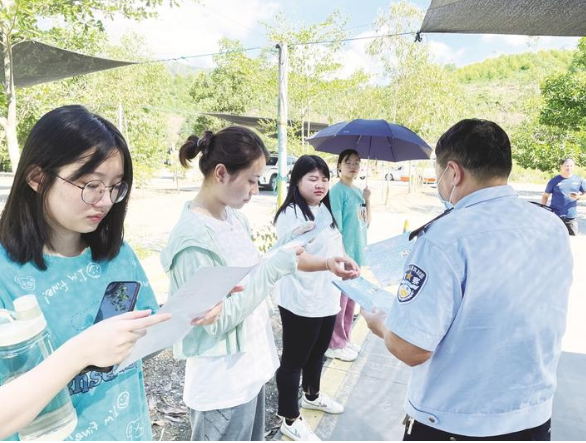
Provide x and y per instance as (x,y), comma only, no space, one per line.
(308,301)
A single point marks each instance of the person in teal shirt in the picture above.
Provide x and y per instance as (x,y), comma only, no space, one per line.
(61,239)
(351,209)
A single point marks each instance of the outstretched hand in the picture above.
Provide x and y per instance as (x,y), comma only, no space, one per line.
(343,267)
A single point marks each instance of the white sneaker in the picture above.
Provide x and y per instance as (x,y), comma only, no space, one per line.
(344,354)
(298,431)
(323,403)
(354,347)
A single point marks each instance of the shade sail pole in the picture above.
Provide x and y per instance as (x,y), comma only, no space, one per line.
(282,120)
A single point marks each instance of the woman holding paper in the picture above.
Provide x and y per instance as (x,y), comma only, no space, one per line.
(308,301)
(351,208)
(61,240)
(228,362)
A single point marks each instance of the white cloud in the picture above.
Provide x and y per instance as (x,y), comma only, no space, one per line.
(522,43)
(510,40)
(443,53)
(354,57)
(196,28)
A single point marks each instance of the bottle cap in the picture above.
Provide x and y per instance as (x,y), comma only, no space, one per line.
(28,322)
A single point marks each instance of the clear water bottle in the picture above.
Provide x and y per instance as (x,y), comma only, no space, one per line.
(25,341)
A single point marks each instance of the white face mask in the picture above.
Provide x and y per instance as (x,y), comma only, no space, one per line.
(447,203)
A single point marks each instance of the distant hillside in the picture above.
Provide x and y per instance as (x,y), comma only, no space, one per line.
(529,66)
(182,69)
(506,89)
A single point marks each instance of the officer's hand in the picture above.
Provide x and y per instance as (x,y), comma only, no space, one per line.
(375,321)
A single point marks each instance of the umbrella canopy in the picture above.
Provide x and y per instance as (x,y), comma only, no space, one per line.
(372,139)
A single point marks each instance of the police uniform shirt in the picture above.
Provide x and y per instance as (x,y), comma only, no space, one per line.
(486,290)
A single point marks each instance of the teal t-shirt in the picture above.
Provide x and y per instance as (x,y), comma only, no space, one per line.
(109,406)
(349,209)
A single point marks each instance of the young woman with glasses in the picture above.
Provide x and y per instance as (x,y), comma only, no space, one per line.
(61,239)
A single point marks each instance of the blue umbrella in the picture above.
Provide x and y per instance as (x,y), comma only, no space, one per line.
(372,139)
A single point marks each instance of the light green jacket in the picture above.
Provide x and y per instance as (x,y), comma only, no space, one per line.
(191,246)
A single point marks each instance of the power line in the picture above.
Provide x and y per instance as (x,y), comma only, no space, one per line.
(186,57)
(354,38)
(318,42)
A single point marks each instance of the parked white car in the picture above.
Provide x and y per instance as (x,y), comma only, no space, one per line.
(268,179)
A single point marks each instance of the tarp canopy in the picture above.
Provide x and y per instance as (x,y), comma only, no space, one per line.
(260,123)
(521,17)
(36,62)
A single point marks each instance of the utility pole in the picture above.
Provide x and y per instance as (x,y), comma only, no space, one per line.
(282,120)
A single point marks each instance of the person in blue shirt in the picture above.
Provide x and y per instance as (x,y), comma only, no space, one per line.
(61,239)
(475,315)
(565,190)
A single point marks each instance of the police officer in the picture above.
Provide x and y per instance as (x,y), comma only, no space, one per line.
(476,316)
(566,189)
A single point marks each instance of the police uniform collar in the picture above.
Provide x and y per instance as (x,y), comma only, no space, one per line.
(485,194)
(474,198)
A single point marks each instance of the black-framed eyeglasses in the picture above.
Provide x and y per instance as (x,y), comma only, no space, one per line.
(93,191)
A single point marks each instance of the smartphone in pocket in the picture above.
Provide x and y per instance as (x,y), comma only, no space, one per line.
(120,297)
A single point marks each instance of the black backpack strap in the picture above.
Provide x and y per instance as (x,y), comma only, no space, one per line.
(417,232)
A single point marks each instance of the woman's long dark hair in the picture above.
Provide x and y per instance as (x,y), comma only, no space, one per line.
(304,165)
(61,137)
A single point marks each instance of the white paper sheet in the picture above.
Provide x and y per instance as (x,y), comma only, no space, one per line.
(366,294)
(300,240)
(207,287)
(387,258)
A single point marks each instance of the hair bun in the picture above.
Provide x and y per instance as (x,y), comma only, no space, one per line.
(189,150)
(205,142)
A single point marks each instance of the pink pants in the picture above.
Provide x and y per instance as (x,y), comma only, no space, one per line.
(343,326)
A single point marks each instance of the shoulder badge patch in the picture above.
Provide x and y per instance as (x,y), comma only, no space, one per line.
(412,282)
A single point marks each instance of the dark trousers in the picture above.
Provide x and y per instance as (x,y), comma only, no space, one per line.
(305,341)
(572,225)
(421,432)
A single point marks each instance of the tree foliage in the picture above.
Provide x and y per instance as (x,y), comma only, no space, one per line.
(557,130)
(420,94)
(529,66)
(75,23)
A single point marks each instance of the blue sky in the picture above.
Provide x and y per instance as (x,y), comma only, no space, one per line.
(195,29)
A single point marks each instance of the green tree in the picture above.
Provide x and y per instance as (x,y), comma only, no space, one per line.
(541,147)
(141,99)
(558,129)
(314,81)
(19,20)
(238,84)
(418,93)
